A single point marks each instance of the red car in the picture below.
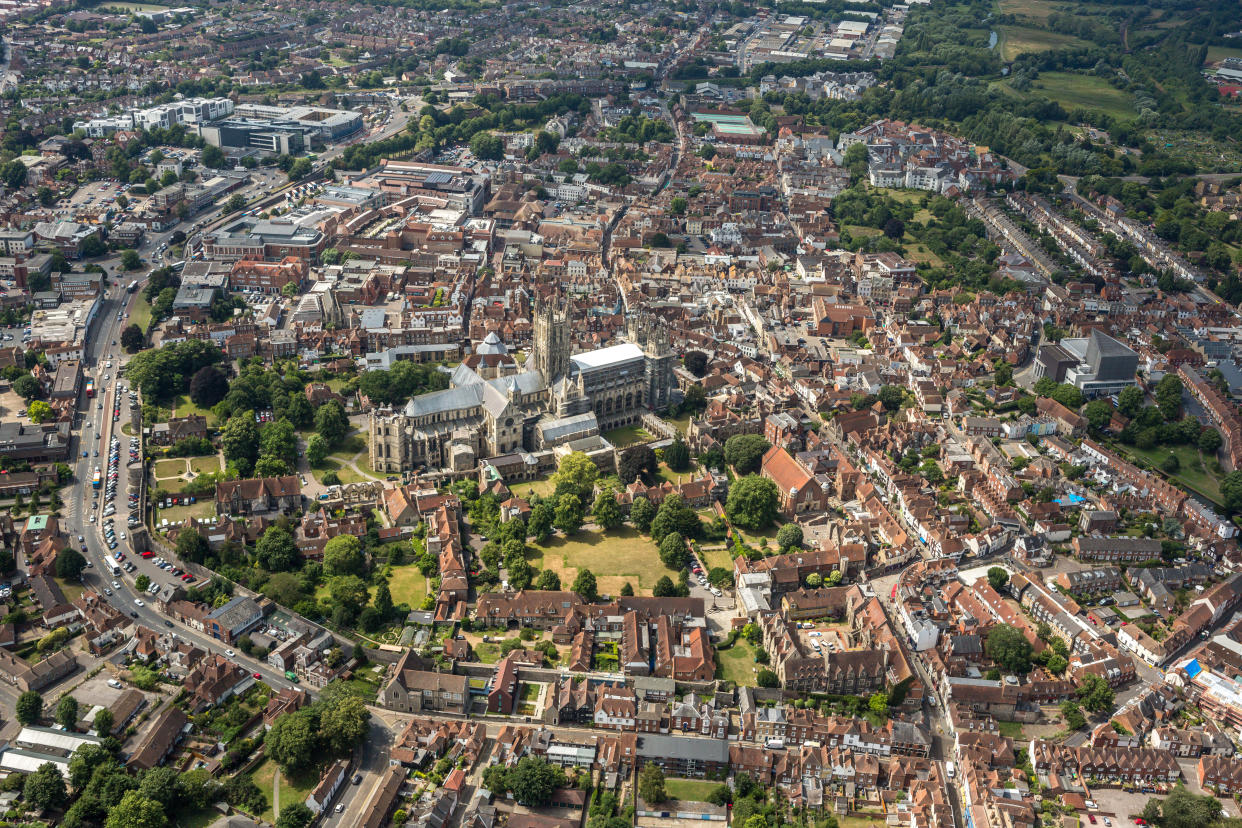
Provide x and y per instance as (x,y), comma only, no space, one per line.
(258,675)
(1092,818)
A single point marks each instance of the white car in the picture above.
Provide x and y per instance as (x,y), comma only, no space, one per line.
(116,584)
(114,684)
(229,653)
(138,602)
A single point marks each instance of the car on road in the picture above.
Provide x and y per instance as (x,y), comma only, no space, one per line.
(138,602)
(230,653)
(168,624)
(258,675)
(114,684)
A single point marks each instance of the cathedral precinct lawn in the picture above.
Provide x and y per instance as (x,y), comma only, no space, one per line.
(613,557)
(408,585)
(542,487)
(627,436)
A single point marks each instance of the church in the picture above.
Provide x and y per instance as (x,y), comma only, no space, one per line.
(492,408)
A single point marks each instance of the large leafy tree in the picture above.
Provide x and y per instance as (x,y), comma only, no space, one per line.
(585,586)
(533,781)
(576,475)
(293,741)
(744,452)
(1095,693)
(276,551)
(1182,809)
(208,386)
(343,556)
(1008,647)
(191,546)
(605,511)
(45,788)
(642,512)
(132,339)
(240,440)
(29,707)
(753,502)
(651,784)
(331,422)
(67,712)
(136,810)
(342,722)
(278,440)
(69,564)
(636,461)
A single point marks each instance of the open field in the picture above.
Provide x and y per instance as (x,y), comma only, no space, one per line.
(1020,40)
(203,465)
(614,558)
(920,253)
(1193,473)
(140,315)
(171,467)
(717,557)
(1032,9)
(543,488)
(183,407)
(407,585)
(1215,54)
(689,790)
(1074,91)
(665,473)
(737,664)
(292,789)
(176,514)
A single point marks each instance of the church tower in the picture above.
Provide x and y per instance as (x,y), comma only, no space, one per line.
(650,333)
(550,353)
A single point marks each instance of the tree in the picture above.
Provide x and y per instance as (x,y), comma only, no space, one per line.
(240,441)
(27,387)
(45,788)
(767,678)
(1182,809)
(1072,714)
(29,708)
(276,551)
(878,703)
(191,546)
(1209,441)
(1231,490)
(1095,694)
(278,440)
(38,411)
(1169,396)
(1056,664)
(585,586)
(533,781)
(294,815)
(642,512)
(136,811)
(696,362)
(293,741)
(542,518)
(130,260)
(627,589)
(343,556)
(103,722)
(1130,400)
(487,147)
(548,581)
(1098,413)
(331,422)
(677,455)
(789,536)
(673,551)
(208,385)
(890,396)
(605,511)
(651,784)
(744,452)
(1003,375)
(349,592)
(576,475)
(317,449)
(67,712)
(753,502)
(163,785)
(664,587)
(132,341)
(85,759)
(675,516)
(569,513)
(213,157)
(69,564)
(635,462)
(997,577)
(342,722)
(1008,647)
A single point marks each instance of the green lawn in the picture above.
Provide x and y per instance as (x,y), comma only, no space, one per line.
(671,476)
(1011,729)
(169,468)
(487,653)
(689,790)
(292,790)
(204,508)
(737,664)
(197,819)
(1032,9)
(627,436)
(717,557)
(72,589)
(1019,40)
(1215,54)
(614,558)
(408,585)
(182,406)
(1074,91)
(680,423)
(1192,472)
(542,487)
(203,465)
(140,315)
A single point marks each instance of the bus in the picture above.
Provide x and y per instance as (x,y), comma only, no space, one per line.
(96,479)
(90,388)
(133,286)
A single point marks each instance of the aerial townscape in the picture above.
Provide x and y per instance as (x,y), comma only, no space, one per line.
(597,414)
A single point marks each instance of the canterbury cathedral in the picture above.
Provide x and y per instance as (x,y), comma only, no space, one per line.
(493,408)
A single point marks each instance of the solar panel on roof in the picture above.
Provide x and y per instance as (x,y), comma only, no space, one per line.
(438,178)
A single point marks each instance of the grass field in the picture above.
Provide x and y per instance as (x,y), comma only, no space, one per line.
(718,557)
(1085,92)
(671,476)
(407,585)
(1215,54)
(680,423)
(292,789)
(1011,729)
(613,558)
(921,254)
(543,488)
(1192,473)
(72,589)
(1020,40)
(140,315)
(1032,9)
(627,436)
(176,514)
(689,790)
(170,467)
(859,230)
(203,465)
(183,407)
(737,664)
